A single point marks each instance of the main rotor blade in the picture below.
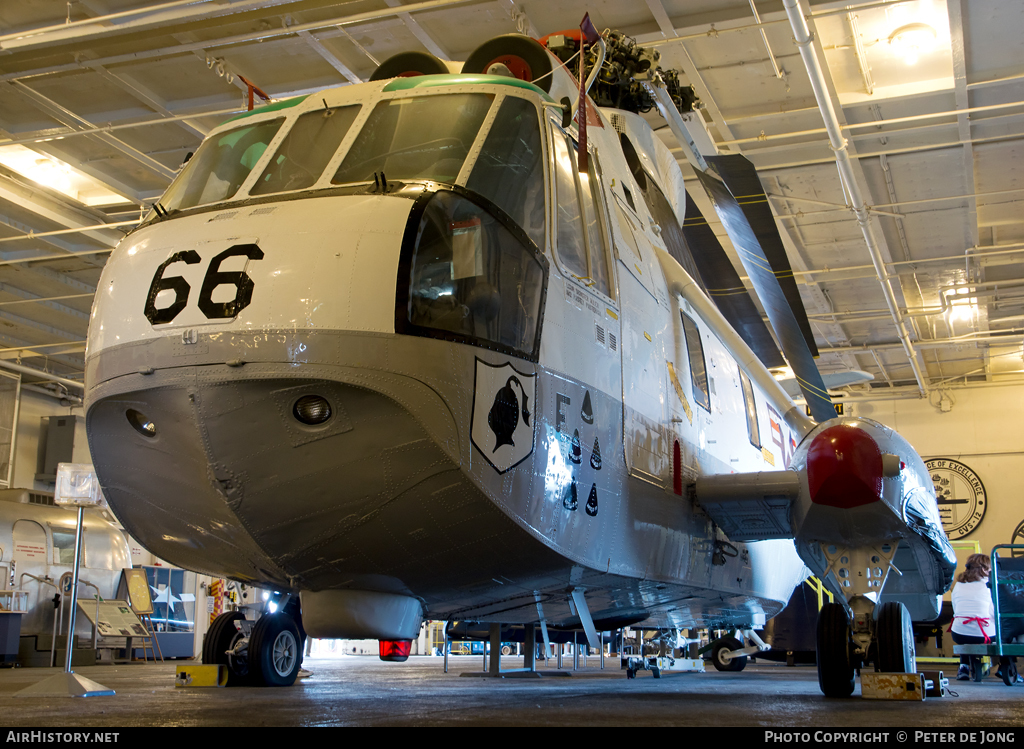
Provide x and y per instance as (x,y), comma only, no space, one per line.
(725,288)
(766,277)
(740,177)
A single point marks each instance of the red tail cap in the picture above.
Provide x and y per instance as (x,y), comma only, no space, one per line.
(844,468)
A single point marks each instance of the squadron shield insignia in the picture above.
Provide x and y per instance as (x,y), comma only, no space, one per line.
(502,428)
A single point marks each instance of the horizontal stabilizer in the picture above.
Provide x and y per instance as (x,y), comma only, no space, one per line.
(725,288)
(750,506)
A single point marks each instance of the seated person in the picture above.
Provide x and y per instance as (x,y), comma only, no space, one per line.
(973,618)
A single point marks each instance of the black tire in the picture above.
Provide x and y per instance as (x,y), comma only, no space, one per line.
(977,669)
(735,664)
(275,651)
(895,634)
(1010,672)
(408,64)
(525,54)
(220,638)
(835,668)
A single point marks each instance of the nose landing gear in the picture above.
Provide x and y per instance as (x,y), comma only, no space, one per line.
(265,653)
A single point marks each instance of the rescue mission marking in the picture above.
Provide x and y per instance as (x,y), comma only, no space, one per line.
(960,494)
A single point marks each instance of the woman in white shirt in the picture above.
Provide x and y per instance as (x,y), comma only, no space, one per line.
(973,617)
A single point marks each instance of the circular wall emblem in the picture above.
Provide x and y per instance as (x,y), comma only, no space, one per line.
(960,494)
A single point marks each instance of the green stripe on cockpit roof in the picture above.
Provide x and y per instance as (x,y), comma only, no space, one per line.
(431,81)
(285,104)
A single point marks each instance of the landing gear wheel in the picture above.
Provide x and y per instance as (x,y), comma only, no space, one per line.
(656,672)
(274,651)
(221,637)
(630,673)
(734,664)
(895,634)
(835,669)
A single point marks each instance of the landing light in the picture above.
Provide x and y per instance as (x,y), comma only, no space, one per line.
(141,423)
(312,410)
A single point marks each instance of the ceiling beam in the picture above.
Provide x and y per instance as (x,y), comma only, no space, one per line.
(419,32)
(254,36)
(39,202)
(70,119)
(147,96)
(330,57)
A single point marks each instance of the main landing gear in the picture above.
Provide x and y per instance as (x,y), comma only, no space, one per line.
(265,653)
(843,647)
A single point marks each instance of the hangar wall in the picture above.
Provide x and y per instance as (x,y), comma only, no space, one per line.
(984,431)
(32,409)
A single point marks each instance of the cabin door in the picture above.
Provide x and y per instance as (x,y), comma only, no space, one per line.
(645,439)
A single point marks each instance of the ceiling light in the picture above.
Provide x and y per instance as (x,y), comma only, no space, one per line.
(57,175)
(912,40)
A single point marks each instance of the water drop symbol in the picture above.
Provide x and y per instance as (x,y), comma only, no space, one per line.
(595,456)
(587,412)
(576,456)
(570,500)
(591,507)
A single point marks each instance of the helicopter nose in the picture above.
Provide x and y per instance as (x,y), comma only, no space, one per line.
(844,467)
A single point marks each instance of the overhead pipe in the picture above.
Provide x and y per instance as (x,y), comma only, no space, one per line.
(803,39)
(42,374)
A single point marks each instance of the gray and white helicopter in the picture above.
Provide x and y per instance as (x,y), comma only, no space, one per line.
(425,347)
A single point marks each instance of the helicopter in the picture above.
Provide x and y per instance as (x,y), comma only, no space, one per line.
(455,344)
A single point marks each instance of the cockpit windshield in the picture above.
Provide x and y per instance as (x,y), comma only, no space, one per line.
(425,137)
(510,168)
(220,166)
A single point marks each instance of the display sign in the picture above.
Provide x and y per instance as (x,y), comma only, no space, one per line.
(138,590)
(112,618)
(960,494)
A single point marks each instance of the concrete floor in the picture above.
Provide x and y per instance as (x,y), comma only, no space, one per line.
(364,691)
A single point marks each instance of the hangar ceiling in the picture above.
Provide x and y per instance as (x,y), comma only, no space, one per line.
(101,100)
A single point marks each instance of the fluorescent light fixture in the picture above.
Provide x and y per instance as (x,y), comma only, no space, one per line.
(55,174)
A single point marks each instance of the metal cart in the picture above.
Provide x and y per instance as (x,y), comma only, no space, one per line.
(1007,582)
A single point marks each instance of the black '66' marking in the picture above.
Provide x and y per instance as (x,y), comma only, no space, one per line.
(214,277)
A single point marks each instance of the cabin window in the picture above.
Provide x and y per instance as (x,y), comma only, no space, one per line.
(220,166)
(510,170)
(581,247)
(305,150)
(63,545)
(471,277)
(698,370)
(425,137)
(753,432)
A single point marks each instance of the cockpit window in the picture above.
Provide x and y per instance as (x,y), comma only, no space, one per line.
(510,169)
(425,137)
(220,166)
(466,275)
(305,150)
